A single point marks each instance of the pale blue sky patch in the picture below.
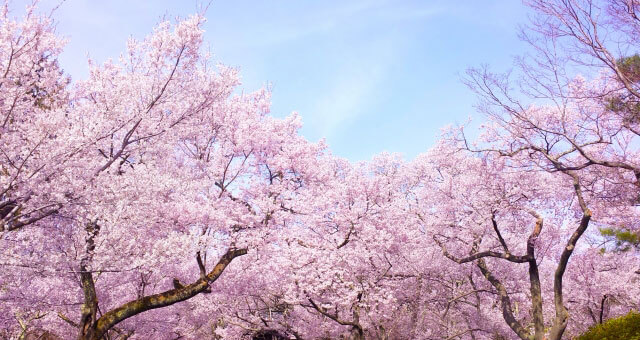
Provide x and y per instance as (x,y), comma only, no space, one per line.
(369,76)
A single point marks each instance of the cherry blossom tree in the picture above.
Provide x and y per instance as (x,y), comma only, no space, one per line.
(356,269)
(33,88)
(583,76)
(152,173)
(519,225)
(569,113)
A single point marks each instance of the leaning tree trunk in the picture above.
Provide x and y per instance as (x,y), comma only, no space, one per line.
(94,328)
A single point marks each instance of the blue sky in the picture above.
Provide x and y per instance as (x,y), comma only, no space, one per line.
(368,76)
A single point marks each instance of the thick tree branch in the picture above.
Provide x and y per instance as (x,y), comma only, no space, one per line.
(495,228)
(356,326)
(167,298)
(89,309)
(505,300)
(346,239)
(482,254)
(534,280)
(562,315)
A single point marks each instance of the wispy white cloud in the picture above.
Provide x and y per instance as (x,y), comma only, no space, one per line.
(312,19)
(354,86)
(360,78)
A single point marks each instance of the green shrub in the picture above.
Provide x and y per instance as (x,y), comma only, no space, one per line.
(626,327)
(624,238)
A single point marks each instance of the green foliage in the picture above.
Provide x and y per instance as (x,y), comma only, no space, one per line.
(624,105)
(626,327)
(624,239)
(627,105)
(630,67)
